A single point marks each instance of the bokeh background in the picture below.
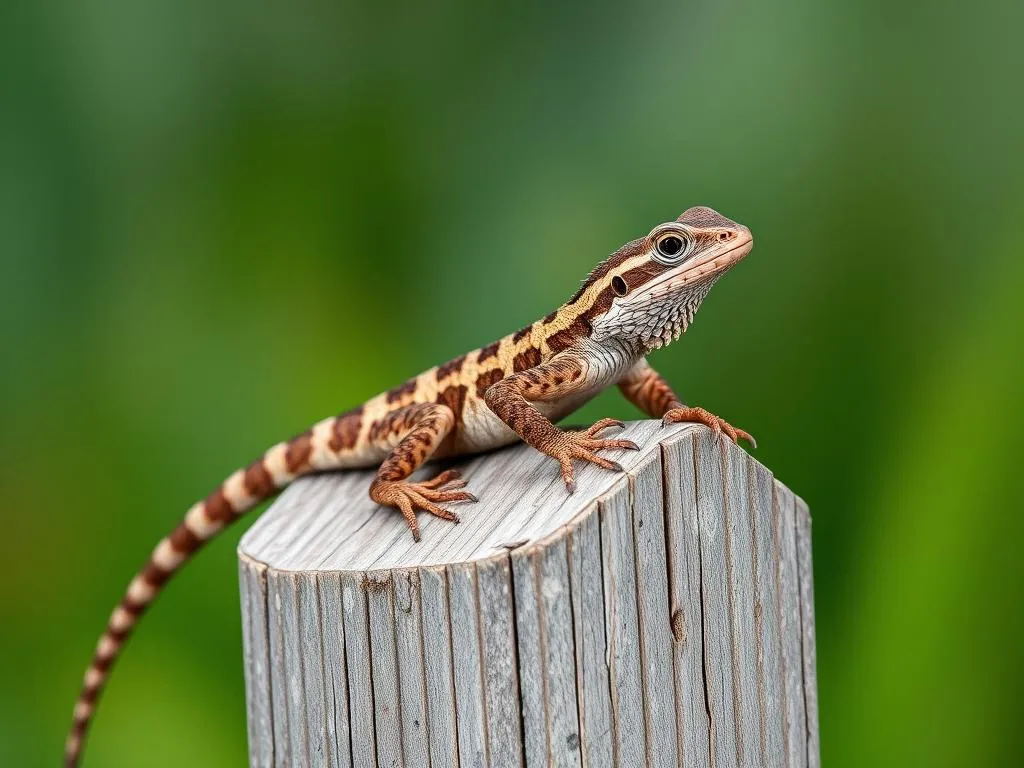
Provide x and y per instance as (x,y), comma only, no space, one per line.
(220,221)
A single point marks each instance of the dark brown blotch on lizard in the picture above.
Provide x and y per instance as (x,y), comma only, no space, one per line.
(346,430)
(130,606)
(486,379)
(258,481)
(450,368)
(401,392)
(565,338)
(296,457)
(184,540)
(218,508)
(522,333)
(455,398)
(528,358)
(486,353)
(154,575)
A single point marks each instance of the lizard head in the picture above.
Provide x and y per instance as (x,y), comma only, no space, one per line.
(650,288)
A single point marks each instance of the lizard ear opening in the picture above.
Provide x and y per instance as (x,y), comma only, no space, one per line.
(619,286)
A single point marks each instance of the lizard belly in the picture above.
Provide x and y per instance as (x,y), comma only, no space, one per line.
(481,429)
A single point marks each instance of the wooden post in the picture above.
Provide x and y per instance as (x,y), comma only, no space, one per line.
(659,617)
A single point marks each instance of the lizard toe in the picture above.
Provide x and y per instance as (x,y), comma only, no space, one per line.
(599,426)
(410,498)
(716,424)
(583,446)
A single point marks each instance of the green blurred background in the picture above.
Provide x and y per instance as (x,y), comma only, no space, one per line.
(220,221)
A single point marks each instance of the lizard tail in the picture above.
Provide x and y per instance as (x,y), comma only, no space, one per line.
(322,447)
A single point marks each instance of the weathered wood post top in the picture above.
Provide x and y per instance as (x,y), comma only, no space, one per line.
(661,616)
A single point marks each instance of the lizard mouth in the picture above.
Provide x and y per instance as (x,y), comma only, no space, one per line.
(712,262)
(664,308)
(661,312)
(706,267)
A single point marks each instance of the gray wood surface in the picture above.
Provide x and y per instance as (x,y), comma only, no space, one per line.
(661,616)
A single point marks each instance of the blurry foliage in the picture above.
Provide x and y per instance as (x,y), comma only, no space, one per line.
(223,220)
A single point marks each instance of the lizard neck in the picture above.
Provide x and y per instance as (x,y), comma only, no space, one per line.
(572,327)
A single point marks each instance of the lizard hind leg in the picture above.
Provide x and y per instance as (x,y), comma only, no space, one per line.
(419,430)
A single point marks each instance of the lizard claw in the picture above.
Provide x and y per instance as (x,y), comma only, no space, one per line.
(717,424)
(599,426)
(409,497)
(584,445)
(451,478)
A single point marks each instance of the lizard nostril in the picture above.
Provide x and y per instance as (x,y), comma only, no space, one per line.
(723,236)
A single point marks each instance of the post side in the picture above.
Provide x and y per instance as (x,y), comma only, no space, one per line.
(663,616)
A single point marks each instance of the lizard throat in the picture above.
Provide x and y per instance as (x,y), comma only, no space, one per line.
(673,321)
(654,324)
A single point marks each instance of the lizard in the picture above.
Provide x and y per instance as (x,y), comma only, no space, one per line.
(639,299)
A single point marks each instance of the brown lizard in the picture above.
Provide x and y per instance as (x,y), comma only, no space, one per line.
(641,298)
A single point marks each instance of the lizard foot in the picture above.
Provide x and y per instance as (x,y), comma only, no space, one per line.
(408,497)
(583,445)
(717,424)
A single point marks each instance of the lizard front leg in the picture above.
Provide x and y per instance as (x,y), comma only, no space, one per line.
(510,399)
(418,430)
(647,390)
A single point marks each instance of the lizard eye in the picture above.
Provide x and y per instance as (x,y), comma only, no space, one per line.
(671,246)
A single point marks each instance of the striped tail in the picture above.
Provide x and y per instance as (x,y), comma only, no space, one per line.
(326,446)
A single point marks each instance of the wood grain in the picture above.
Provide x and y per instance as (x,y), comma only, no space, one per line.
(662,616)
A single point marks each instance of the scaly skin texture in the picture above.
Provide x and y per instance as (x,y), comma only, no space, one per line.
(640,298)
